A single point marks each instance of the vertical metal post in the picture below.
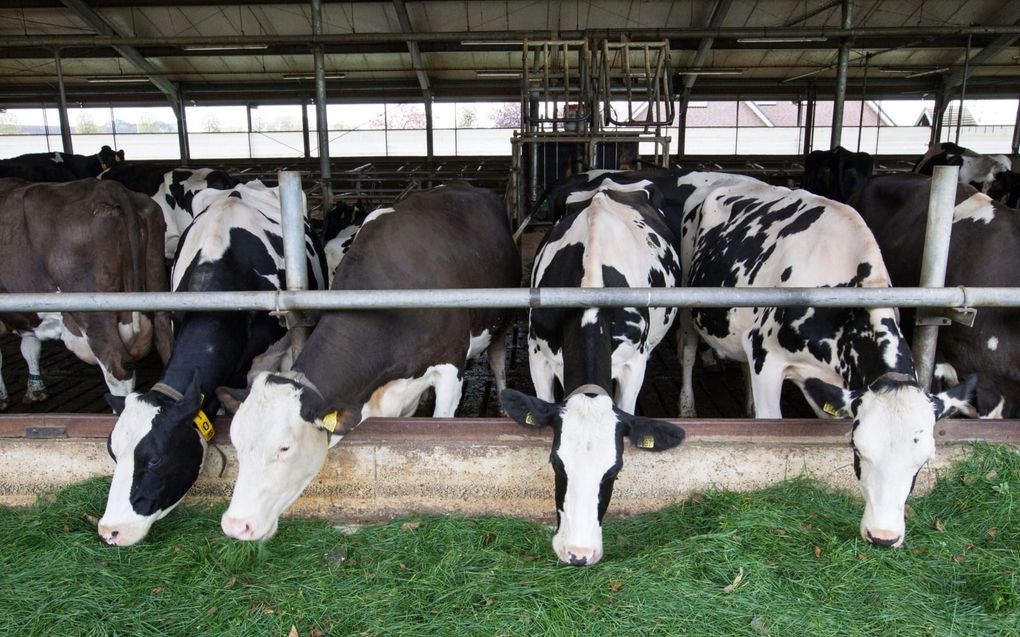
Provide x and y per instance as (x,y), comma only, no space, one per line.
(809,124)
(321,121)
(963,93)
(1016,131)
(247,110)
(65,126)
(292,207)
(430,151)
(938,111)
(681,130)
(941,202)
(304,125)
(182,128)
(842,65)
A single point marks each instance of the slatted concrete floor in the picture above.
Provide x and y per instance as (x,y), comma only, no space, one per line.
(75,387)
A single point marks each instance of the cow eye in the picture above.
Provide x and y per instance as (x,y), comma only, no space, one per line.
(154,462)
(285,449)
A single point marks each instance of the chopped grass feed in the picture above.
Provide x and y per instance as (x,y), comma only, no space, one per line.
(783,561)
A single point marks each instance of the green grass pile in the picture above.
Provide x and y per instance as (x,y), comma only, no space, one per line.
(805,570)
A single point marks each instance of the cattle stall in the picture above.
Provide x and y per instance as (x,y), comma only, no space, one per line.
(360,474)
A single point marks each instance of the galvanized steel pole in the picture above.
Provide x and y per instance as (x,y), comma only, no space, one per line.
(941,203)
(292,205)
(842,66)
(65,126)
(321,120)
(512,298)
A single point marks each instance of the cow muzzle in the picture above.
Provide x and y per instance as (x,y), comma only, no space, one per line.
(124,534)
(578,556)
(883,537)
(245,529)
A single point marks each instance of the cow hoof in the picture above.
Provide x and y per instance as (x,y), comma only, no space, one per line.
(34,397)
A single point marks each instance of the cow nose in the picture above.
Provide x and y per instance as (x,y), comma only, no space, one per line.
(579,557)
(108,534)
(881,537)
(238,529)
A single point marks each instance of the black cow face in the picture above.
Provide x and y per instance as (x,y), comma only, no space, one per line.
(587,455)
(159,454)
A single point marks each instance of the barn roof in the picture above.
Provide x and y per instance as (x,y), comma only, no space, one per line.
(233,49)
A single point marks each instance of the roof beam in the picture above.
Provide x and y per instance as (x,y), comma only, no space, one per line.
(958,77)
(715,20)
(412,48)
(99,24)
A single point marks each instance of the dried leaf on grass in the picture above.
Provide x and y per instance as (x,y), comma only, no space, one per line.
(939,527)
(991,532)
(230,583)
(818,551)
(293,631)
(410,526)
(615,586)
(732,586)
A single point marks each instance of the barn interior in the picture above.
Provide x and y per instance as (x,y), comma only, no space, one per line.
(373,100)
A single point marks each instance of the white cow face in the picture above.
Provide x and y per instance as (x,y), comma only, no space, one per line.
(893,437)
(587,455)
(279,452)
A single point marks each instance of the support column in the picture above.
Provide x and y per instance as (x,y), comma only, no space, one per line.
(941,203)
(303,97)
(293,211)
(321,121)
(65,126)
(681,127)
(938,111)
(963,94)
(1016,131)
(842,65)
(429,145)
(809,123)
(182,129)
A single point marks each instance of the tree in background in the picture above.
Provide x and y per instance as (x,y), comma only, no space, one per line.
(86,125)
(508,115)
(9,124)
(468,117)
(211,124)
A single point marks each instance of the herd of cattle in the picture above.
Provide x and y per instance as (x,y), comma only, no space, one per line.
(650,228)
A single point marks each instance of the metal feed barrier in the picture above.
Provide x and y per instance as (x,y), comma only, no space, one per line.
(297,298)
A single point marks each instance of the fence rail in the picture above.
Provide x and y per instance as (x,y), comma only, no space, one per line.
(954,297)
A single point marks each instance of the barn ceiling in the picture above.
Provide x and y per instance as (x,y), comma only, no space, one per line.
(905,47)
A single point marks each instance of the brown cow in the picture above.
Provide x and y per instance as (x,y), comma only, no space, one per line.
(83,236)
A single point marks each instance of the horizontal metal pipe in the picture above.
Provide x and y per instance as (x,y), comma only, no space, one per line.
(91,41)
(512,298)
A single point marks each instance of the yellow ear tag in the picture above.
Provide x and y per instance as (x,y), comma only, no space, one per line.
(648,442)
(529,419)
(329,421)
(829,409)
(204,426)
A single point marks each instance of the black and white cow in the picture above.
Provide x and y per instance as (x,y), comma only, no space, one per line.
(836,173)
(358,364)
(976,169)
(851,362)
(173,190)
(339,228)
(57,167)
(609,237)
(160,438)
(1006,189)
(982,253)
(82,236)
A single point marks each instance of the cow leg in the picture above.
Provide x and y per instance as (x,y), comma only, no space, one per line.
(448,383)
(687,344)
(749,395)
(542,375)
(628,385)
(31,347)
(497,361)
(100,334)
(3,387)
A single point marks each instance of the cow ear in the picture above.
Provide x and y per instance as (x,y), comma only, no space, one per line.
(956,399)
(192,399)
(232,397)
(528,410)
(834,401)
(119,156)
(116,403)
(652,435)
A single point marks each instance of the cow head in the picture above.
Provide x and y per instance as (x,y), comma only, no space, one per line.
(587,455)
(893,437)
(281,434)
(159,453)
(108,157)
